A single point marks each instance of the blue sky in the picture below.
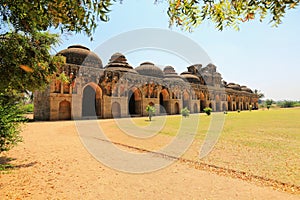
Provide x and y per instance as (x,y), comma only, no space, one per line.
(258,55)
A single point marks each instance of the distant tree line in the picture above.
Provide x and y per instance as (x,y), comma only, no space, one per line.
(282,104)
(288,104)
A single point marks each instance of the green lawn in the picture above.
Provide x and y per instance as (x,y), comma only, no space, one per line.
(264,143)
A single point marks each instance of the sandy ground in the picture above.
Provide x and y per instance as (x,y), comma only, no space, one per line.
(52,163)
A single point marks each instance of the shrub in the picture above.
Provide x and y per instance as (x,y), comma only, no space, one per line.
(207,110)
(286,104)
(11,117)
(185,112)
(151,111)
(28,108)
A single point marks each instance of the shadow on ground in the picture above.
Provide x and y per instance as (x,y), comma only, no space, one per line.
(5,164)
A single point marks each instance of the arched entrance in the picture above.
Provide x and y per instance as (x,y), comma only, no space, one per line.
(64,110)
(245,107)
(116,110)
(91,101)
(186,100)
(164,101)
(229,106)
(218,103)
(161,103)
(202,101)
(218,106)
(238,105)
(134,102)
(176,108)
(195,108)
(224,107)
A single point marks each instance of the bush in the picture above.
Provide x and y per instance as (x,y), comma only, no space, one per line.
(11,117)
(151,111)
(185,112)
(207,110)
(28,108)
(286,104)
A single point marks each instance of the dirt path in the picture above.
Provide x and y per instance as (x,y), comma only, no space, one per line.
(53,164)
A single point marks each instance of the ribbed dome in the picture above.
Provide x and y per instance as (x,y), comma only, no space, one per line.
(171,75)
(190,77)
(118,62)
(80,55)
(246,89)
(233,86)
(149,69)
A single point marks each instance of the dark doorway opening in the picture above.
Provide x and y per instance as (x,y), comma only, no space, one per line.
(89,102)
(64,110)
(176,108)
(202,105)
(161,103)
(131,103)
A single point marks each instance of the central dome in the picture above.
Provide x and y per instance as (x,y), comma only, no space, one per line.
(149,69)
(189,77)
(118,62)
(80,55)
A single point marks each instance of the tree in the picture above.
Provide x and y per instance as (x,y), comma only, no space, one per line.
(259,94)
(226,13)
(67,15)
(268,103)
(25,60)
(151,111)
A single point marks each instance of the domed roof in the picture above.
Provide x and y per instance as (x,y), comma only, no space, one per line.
(149,69)
(171,75)
(246,89)
(190,77)
(118,62)
(80,55)
(234,86)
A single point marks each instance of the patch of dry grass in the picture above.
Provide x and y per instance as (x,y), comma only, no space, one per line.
(265,143)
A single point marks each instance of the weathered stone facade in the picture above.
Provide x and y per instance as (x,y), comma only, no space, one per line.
(119,90)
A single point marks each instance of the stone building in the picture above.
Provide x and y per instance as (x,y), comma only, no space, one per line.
(119,90)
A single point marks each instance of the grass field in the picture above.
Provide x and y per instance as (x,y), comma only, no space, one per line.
(265,143)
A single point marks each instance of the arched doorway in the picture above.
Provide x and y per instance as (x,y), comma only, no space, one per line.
(202,105)
(134,102)
(176,108)
(64,110)
(164,102)
(238,105)
(91,101)
(195,108)
(245,107)
(186,100)
(229,106)
(116,110)
(218,106)
(224,107)
(161,103)
(202,101)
